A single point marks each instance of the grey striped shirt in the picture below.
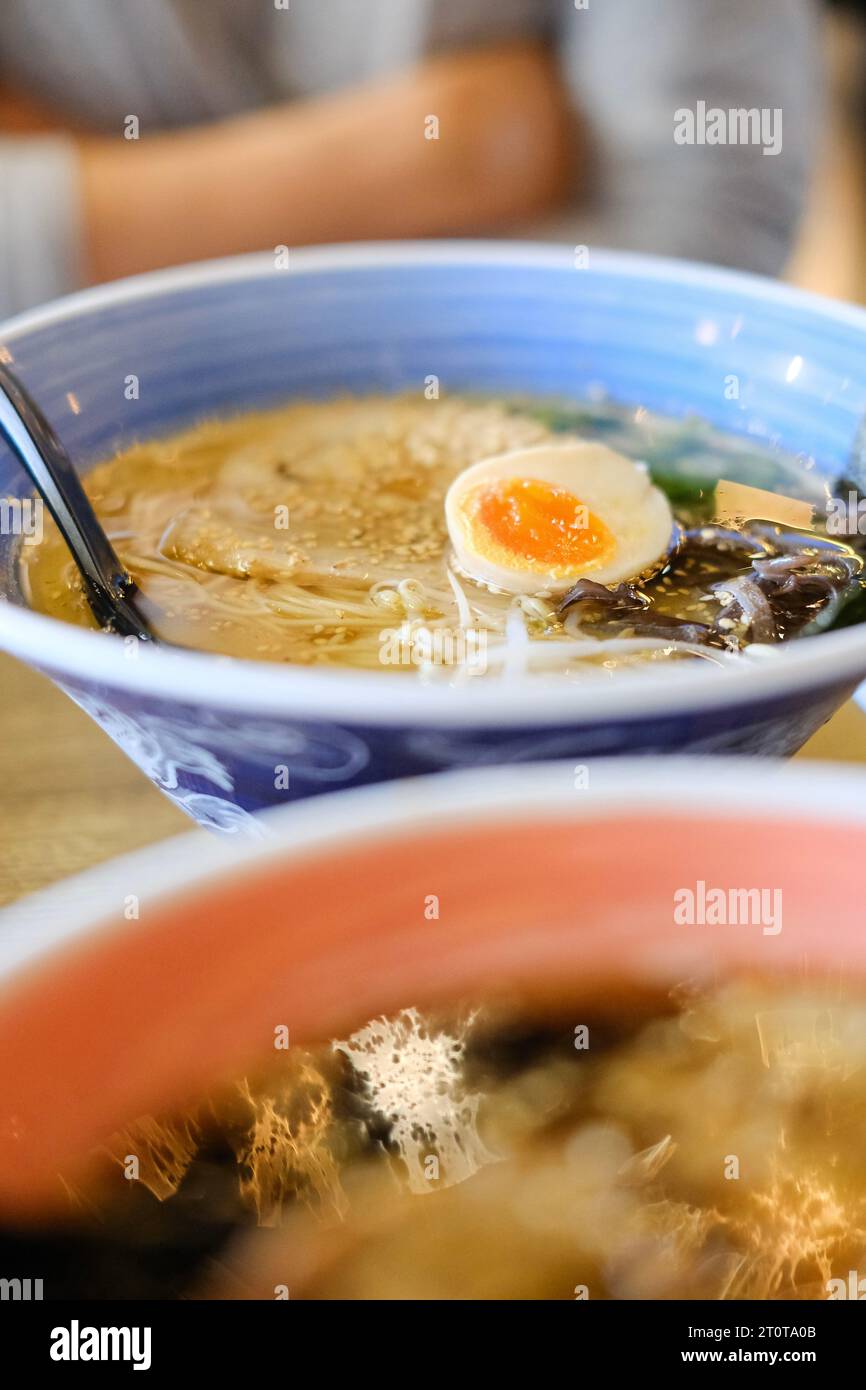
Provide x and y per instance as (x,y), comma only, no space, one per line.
(628,64)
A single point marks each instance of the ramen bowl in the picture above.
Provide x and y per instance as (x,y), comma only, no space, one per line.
(534,912)
(141,358)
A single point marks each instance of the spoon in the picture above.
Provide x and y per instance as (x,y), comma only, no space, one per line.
(111,592)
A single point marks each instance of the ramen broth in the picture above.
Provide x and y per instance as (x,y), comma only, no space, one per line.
(315,534)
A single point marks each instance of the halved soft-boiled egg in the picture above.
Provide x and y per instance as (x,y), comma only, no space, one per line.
(541,518)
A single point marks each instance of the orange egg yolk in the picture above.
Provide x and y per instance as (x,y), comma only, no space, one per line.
(537,525)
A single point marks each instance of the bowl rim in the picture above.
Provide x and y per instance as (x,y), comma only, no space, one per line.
(705,788)
(354,697)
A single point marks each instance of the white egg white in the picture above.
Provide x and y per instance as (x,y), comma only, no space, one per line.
(614,489)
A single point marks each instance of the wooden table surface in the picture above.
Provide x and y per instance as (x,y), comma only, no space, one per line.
(69,798)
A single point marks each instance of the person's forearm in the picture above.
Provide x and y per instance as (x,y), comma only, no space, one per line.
(354,165)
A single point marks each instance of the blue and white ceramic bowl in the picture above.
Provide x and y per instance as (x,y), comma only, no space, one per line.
(215,735)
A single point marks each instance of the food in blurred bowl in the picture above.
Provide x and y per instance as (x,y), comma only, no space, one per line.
(485,1063)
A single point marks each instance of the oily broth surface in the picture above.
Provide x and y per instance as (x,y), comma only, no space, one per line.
(363,484)
(303,534)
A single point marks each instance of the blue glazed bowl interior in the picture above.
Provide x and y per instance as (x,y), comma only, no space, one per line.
(745,356)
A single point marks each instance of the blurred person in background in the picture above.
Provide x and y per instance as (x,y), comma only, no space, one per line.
(142,133)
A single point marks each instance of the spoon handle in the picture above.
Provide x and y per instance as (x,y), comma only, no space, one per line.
(110,590)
